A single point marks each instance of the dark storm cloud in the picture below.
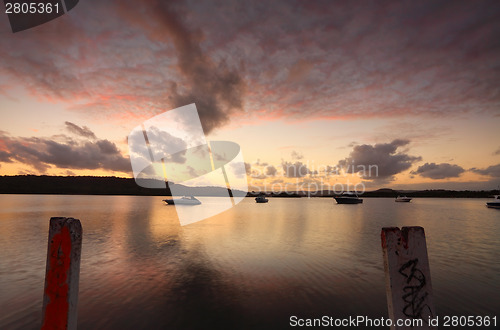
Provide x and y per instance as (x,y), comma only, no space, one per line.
(493,171)
(107,147)
(215,87)
(5,157)
(378,162)
(439,171)
(82,131)
(295,170)
(271,170)
(62,152)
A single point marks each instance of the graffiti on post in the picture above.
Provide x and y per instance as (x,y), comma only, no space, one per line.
(415,295)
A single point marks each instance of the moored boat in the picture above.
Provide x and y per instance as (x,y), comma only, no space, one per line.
(348,198)
(402,199)
(185,200)
(261,199)
(495,204)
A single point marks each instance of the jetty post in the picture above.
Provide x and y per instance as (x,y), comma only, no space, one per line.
(62,274)
(407,278)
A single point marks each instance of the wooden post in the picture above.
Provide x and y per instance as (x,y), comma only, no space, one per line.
(62,274)
(407,278)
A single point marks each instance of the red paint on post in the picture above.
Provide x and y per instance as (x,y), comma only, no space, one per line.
(404,235)
(57,286)
(383,240)
(383,235)
(62,274)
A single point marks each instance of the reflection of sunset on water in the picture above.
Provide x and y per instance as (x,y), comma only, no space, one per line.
(253,260)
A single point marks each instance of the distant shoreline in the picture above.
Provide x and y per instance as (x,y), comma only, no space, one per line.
(248,196)
(115,186)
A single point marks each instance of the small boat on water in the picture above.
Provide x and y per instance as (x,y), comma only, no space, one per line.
(402,199)
(184,200)
(348,198)
(261,199)
(495,204)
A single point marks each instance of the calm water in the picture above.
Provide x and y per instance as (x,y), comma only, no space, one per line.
(251,267)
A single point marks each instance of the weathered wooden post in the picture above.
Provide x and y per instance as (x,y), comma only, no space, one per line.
(407,278)
(62,274)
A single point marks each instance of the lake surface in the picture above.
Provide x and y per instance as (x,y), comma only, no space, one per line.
(251,267)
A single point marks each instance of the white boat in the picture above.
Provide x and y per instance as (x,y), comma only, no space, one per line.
(348,198)
(402,199)
(184,200)
(261,199)
(495,204)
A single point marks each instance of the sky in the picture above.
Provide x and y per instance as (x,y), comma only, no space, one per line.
(314,92)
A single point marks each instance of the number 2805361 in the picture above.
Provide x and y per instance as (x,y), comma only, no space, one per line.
(31,8)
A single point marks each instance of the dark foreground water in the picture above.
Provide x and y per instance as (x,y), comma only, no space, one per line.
(251,267)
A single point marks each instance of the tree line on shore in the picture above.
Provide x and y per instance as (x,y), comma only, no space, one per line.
(95,185)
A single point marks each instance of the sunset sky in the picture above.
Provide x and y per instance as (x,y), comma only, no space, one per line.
(303,87)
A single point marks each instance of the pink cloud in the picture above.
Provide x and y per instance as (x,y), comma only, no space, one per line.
(339,60)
